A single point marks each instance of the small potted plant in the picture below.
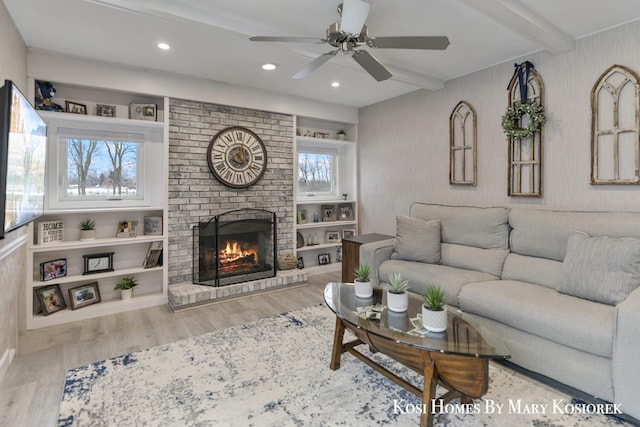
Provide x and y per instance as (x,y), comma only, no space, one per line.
(126,285)
(87,229)
(397,296)
(362,282)
(341,134)
(434,312)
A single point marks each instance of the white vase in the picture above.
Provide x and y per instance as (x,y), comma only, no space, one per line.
(434,321)
(125,294)
(398,302)
(363,289)
(87,234)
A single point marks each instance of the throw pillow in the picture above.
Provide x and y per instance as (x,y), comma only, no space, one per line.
(417,240)
(601,269)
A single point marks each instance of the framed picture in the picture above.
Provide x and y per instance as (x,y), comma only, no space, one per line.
(50,232)
(98,263)
(346,212)
(300,264)
(143,112)
(324,259)
(51,299)
(104,110)
(339,254)
(303,218)
(127,228)
(75,108)
(50,270)
(348,232)
(84,295)
(328,213)
(153,225)
(332,236)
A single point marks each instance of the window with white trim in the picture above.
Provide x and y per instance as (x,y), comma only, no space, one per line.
(317,171)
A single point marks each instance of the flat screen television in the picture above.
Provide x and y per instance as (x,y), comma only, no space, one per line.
(23,148)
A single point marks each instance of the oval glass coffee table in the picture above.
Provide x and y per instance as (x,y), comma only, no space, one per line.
(457,359)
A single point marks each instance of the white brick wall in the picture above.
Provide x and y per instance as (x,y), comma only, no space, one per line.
(194,193)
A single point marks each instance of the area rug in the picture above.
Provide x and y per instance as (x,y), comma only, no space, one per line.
(275,372)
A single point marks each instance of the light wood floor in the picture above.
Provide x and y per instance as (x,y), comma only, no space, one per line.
(32,388)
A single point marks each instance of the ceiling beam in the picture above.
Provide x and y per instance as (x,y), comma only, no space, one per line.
(525,22)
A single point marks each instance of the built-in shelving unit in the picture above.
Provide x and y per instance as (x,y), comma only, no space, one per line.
(323,218)
(129,253)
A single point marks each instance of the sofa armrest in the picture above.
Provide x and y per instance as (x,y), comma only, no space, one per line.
(374,253)
(626,355)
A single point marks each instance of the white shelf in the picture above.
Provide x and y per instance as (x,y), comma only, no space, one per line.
(111,121)
(326,224)
(95,243)
(95,276)
(102,308)
(327,141)
(322,246)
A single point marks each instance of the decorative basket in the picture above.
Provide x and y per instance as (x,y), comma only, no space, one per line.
(287,262)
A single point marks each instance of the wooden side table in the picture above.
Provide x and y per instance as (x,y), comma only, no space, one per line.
(351,252)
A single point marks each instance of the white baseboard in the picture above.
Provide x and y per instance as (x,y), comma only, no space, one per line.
(6,360)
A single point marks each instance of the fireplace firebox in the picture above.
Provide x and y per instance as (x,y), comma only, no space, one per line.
(233,247)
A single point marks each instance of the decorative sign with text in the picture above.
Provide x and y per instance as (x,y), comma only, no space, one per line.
(50,232)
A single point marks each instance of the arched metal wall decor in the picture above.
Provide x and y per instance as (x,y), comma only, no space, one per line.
(615,127)
(462,145)
(525,154)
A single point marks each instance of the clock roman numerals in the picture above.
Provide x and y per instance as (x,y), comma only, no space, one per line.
(237,157)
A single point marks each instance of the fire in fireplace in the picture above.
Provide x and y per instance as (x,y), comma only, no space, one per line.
(233,247)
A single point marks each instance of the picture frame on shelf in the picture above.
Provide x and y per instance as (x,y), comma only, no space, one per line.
(104,110)
(328,213)
(50,298)
(303,217)
(348,232)
(324,259)
(339,254)
(346,212)
(50,270)
(300,264)
(153,225)
(50,232)
(98,263)
(84,295)
(127,228)
(147,112)
(332,237)
(75,107)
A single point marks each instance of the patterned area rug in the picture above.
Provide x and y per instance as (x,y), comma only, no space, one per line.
(275,372)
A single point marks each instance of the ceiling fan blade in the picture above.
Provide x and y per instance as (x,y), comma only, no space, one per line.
(409,42)
(286,39)
(311,67)
(371,65)
(354,15)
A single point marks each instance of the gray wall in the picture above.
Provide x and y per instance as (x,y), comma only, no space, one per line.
(13,66)
(194,193)
(403,142)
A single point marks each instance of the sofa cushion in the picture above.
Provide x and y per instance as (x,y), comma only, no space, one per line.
(601,269)
(486,228)
(574,322)
(541,271)
(417,240)
(422,275)
(471,258)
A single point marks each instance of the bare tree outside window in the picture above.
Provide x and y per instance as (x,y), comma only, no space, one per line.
(316,173)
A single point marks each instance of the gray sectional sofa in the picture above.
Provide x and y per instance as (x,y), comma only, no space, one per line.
(559,287)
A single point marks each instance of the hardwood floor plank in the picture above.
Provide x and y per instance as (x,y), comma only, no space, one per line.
(30,391)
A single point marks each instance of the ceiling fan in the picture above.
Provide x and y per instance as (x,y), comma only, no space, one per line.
(351,33)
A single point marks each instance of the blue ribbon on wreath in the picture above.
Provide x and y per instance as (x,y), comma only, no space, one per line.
(522,71)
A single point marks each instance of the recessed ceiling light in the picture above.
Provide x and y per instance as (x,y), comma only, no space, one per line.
(269,67)
(335,84)
(164,46)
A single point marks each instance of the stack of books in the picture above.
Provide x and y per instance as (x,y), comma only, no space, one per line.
(154,255)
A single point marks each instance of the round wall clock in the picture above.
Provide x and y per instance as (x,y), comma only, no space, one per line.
(237,157)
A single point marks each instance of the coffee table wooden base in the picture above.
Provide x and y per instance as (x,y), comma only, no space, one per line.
(464,377)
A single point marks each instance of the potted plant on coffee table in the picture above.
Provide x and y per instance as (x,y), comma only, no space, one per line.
(434,312)
(397,296)
(87,229)
(362,282)
(126,285)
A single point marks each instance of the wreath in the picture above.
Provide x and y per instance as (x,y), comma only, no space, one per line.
(511,120)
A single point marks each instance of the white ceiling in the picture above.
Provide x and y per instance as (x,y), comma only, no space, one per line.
(209,38)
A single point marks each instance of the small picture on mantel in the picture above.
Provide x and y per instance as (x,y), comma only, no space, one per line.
(143,112)
(328,213)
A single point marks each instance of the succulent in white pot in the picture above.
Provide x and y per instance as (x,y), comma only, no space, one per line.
(362,282)
(397,296)
(87,229)
(434,311)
